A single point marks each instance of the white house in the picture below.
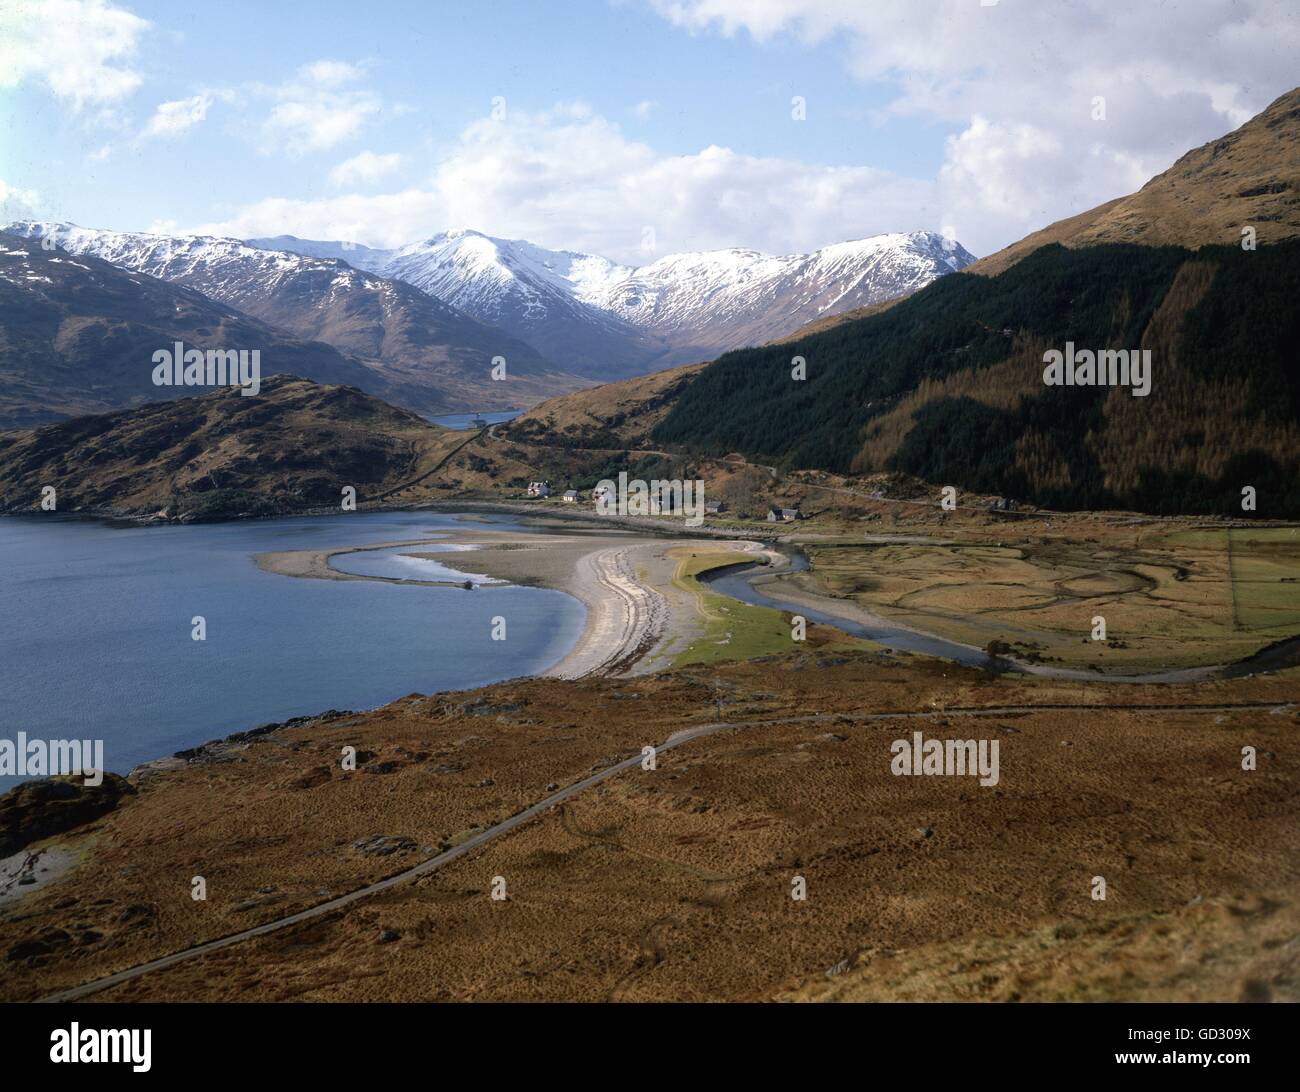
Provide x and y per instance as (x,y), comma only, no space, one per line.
(539,489)
(783,515)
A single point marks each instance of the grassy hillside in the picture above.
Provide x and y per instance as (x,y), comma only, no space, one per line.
(1250,176)
(612,415)
(294,446)
(947,385)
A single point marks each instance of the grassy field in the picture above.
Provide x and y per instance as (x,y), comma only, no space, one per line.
(739,631)
(1169,600)
(1265,567)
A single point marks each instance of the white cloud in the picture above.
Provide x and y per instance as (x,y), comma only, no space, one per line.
(1018,79)
(364,169)
(81,50)
(331,73)
(173,118)
(18,204)
(645,108)
(1013,84)
(570,178)
(318,108)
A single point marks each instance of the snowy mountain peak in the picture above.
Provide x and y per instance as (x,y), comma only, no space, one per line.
(756,296)
(590,315)
(680,307)
(223,268)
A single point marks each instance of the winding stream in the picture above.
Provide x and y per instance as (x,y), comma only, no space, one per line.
(745,583)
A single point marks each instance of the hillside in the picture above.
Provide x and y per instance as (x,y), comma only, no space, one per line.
(432,357)
(609,416)
(77,336)
(1250,176)
(673,887)
(293,447)
(948,384)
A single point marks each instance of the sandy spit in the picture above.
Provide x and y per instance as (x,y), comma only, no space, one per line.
(623,579)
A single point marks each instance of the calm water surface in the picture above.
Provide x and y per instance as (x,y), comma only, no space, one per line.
(95,628)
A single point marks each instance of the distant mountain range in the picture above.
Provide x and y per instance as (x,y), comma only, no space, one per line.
(604,320)
(428,356)
(423,325)
(946,385)
(77,336)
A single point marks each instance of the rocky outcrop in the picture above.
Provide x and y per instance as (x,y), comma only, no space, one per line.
(40,809)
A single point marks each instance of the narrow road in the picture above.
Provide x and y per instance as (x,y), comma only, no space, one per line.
(433,469)
(686,735)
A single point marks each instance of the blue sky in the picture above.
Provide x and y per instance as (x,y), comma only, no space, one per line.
(375,121)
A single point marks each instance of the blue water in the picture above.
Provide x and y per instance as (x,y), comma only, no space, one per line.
(95,629)
(463,420)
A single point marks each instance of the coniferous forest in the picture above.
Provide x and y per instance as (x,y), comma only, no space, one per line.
(947,385)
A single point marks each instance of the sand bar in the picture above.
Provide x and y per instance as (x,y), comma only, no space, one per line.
(624,580)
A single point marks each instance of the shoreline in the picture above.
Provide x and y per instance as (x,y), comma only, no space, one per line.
(634,623)
(532,510)
(623,580)
(629,628)
(660,525)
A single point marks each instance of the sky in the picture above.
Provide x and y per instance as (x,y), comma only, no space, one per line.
(628,128)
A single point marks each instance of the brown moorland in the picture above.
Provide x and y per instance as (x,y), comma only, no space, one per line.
(676,883)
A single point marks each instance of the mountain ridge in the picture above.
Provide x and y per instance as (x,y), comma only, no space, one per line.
(1186,205)
(1248,177)
(433,357)
(77,335)
(608,320)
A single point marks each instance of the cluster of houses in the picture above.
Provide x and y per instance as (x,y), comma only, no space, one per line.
(540,490)
(775,513)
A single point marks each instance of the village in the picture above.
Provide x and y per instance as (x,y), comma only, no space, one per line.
(654,498)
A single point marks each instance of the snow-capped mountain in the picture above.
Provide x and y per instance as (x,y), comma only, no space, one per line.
(435,312)
(536,294)
(600,318)
(79,336)
(711,301)
(436,356)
